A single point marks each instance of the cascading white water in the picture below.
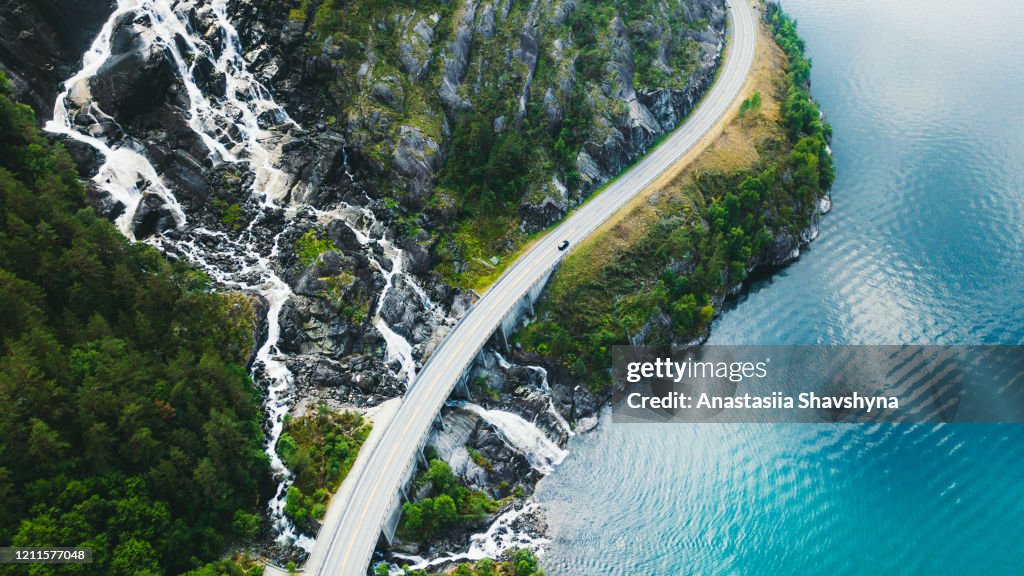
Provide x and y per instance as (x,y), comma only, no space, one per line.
(230,127)
(555,414)
(276,375)
(398,348)
(125,172)
(244,127)
(542,454)
(562,422)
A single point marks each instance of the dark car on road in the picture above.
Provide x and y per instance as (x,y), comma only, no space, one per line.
(563,245)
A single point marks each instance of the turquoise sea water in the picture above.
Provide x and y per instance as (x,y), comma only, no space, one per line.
(925,245)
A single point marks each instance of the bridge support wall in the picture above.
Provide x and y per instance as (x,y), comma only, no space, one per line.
(505,328)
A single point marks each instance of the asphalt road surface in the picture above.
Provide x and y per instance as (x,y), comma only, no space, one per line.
(345,546)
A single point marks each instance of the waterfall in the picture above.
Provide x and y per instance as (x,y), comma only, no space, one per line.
(232,130)
(542,454)
(398,347)
(501,536)
(562,422)
(243,127)
(125,172)
(555,414)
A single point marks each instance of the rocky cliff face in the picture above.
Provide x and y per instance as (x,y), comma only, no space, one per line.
(41,44)
(382,94)
(334,158)
(414,91)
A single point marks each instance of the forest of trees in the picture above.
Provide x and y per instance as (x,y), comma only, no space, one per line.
(320,448)
(128,423)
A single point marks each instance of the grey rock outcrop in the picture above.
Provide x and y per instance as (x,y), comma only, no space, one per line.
(456,60)
(137,77)
(41,44)
(418,158)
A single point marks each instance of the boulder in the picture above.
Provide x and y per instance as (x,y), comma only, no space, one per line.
(137,76)
(153,216)
(402,307)
(102,202)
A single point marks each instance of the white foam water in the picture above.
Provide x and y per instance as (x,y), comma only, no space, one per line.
(555,414)
(230,128)
(562,422)
(398,347)
(246,127)
(125,173)
(501,536)
(542,454)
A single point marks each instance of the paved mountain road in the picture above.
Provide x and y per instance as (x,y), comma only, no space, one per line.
(345,546)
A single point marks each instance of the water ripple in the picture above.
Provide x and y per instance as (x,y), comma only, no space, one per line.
(925,244)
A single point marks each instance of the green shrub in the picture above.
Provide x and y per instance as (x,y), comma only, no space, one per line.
(310,246)
(319,448)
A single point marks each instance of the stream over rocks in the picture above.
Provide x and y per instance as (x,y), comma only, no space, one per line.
(188,151)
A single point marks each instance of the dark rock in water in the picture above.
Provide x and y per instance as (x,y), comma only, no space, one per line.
(86,158)
(260,308)
(153,216)
(102,202)
(417,259)
(330,263)
(508,465)
(188,175)
(292,318)
(317,161)
(402,307)
(136,77)
(313,325)
(343,236)
(308,282)
(330,374)
(584,403)
(209,79)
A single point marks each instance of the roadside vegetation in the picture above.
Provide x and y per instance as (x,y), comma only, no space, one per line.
(242,566)
(320,449)
(128,422)
(662,269)
(490,175)
(446,506)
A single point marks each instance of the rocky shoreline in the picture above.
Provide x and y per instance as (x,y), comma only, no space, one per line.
(559,408)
